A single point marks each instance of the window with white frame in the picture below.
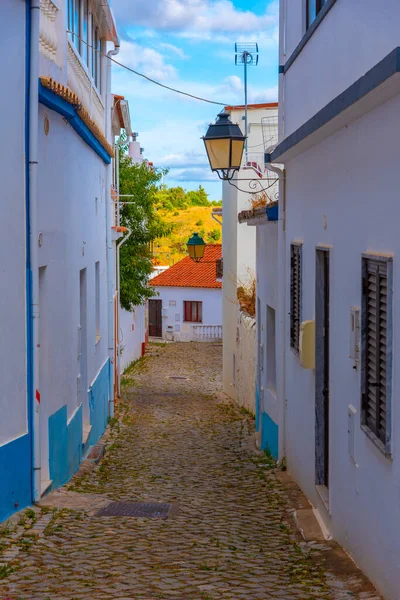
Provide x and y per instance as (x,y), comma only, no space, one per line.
(85,35)
(376,346)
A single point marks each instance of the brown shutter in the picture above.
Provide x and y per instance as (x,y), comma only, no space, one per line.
(220,268)
(295,295)
(375,359)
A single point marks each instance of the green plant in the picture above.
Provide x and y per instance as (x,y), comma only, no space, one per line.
(145,224)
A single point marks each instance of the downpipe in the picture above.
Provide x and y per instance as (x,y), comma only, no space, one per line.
(124,239)
(33,237)
(110,245)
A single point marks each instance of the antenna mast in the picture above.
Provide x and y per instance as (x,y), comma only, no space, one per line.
(246,54)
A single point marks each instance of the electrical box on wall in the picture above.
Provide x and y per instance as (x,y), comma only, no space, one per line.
(307,344)
(355,329)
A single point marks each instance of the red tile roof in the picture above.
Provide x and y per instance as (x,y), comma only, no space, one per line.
(187,273)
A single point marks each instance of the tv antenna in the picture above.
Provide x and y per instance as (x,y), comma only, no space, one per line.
(246,54)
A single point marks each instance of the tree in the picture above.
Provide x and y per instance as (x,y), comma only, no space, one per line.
(142,220)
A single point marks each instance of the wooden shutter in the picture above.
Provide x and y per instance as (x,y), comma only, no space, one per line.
(295,295)
(187,312)
(375,305)
(220,268)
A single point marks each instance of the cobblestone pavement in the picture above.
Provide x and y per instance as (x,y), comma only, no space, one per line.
(229,535)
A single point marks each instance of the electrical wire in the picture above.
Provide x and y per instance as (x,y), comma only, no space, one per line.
(167,87)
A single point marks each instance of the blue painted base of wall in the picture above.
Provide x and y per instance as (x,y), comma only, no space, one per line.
(269,435)
(15,476)
(65,439)
(257,409)
(98,403)
(65,445)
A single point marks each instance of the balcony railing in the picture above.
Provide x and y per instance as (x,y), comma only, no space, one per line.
(207,333)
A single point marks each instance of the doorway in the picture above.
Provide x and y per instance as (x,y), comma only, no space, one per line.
(155,318)
(322,368)
(82,351)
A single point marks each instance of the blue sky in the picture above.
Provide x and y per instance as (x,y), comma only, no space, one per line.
(189,45)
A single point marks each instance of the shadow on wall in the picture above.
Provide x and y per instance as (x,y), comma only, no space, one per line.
(65,438)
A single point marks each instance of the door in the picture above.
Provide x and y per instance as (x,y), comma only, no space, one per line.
(82,348)
(322,368)
(155,318)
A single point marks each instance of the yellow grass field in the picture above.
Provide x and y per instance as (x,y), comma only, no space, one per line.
(169,250)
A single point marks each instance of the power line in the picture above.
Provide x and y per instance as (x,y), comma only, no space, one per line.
(167,87)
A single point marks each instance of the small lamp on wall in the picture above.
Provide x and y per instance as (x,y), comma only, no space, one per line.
(195,247)
(224,144)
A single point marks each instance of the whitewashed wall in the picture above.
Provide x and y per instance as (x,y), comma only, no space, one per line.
(311,83)
(238,241)
(270,401)
(337,196)
(72,193)
(173,315)
(13,395)
(246,362)
(132,334)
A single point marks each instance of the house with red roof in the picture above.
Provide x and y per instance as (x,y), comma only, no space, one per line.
(187,305)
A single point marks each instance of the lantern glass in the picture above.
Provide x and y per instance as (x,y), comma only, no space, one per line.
(237,153)
(218,151)
(195,247)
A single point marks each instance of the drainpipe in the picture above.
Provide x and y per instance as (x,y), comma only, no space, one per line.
(110,245)
(124,239)
(33,235)
(281,350)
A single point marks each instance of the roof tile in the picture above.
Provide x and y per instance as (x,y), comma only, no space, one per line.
(187,273)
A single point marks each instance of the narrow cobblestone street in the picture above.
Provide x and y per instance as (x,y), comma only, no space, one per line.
(229,534)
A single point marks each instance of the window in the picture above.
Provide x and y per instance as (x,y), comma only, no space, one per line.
(220,268)
(313,7)
(271,350)
(376,349)
(193,311)
(295,295)
(79,23)
(97,297)
(85,25)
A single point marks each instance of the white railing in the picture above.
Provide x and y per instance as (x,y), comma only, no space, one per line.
(207,333)
(48,34)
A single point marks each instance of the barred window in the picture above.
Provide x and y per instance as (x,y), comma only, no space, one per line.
(295,295)
(376,349)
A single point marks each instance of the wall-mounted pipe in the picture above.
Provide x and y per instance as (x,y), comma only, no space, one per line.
(33,237)
(124,239)
(110,244)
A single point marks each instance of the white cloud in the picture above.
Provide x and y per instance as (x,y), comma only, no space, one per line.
(198,16)
(145,60)
(172,49)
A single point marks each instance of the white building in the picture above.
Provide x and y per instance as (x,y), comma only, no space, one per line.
(57,346)
(130,326)
(338,248)
(188,305)
(239,252)
(16,422)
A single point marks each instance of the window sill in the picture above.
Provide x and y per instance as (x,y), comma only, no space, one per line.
(309,33)
(376,441)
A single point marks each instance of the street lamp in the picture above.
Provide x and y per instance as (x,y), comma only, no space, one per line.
(195,247)
(224,144)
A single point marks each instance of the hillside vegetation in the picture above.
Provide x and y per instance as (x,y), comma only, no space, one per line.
(184,213)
